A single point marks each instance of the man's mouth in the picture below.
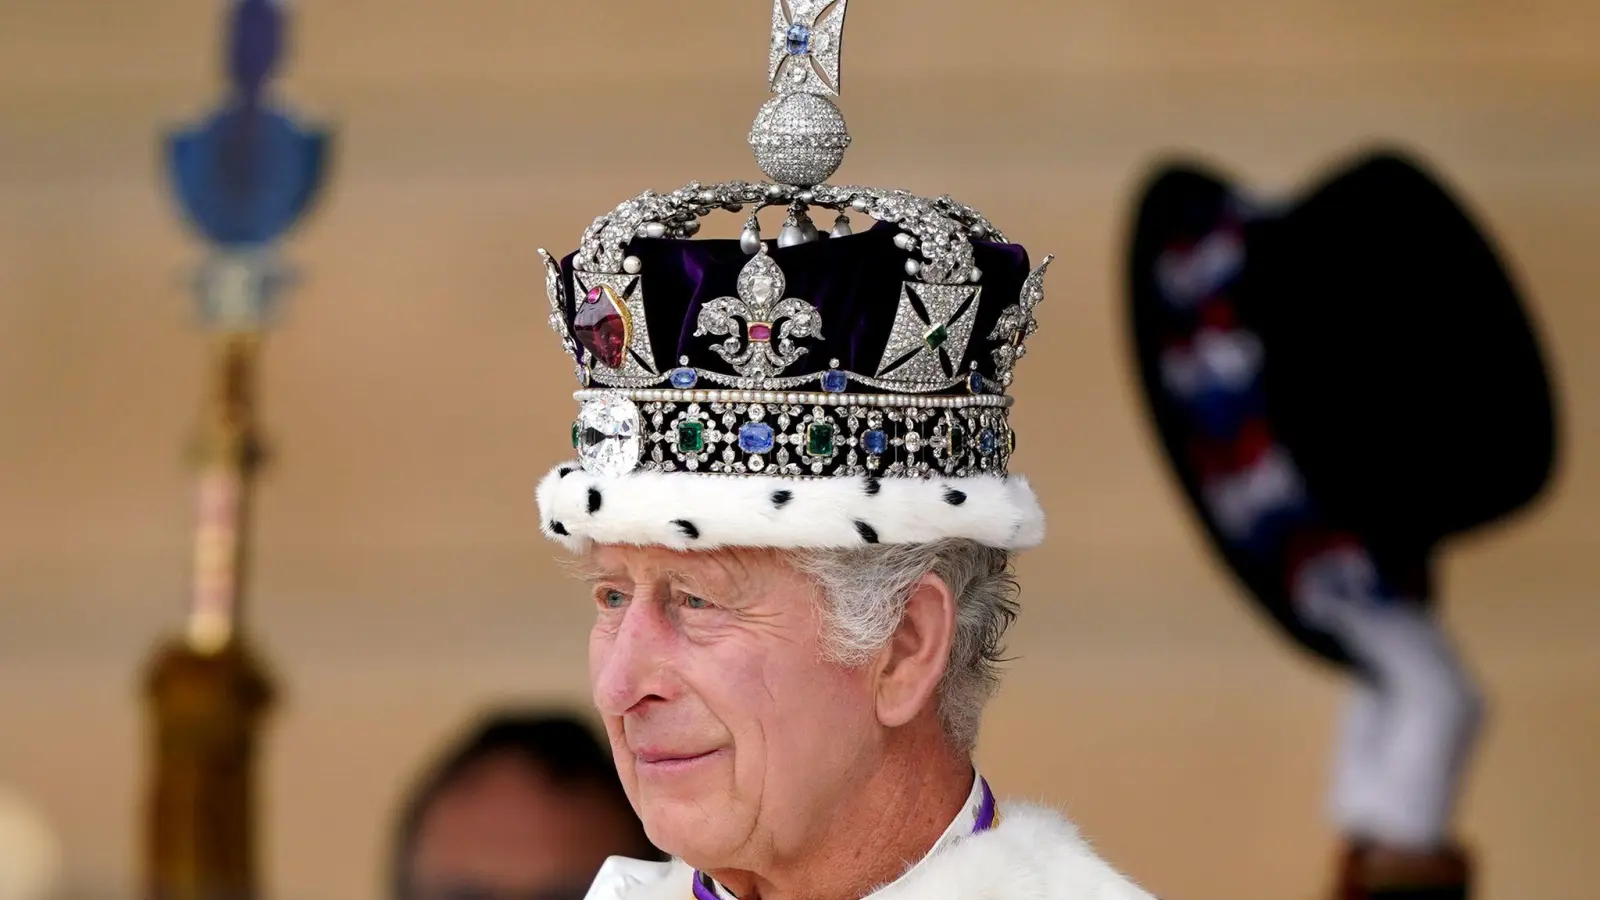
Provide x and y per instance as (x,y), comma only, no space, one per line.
(665,760)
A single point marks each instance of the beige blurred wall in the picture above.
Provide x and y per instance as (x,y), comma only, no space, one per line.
(416,395)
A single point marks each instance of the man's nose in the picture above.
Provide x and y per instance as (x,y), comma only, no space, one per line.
(630,662)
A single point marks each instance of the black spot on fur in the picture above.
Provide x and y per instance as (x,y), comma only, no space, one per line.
(559,528)
(954,497)
(873,486)
(563,472)
(687,527)
(594,501)
(867,532)
(780,499)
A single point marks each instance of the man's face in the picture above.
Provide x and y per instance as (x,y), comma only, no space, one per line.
(502,831)
(732,735)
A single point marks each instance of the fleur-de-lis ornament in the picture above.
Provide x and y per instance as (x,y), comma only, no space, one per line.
(761,327)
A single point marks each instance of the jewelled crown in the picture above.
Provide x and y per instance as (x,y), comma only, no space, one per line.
(821,356)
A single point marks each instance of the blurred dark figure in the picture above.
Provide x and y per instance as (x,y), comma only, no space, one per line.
(524,807)
(1343,384)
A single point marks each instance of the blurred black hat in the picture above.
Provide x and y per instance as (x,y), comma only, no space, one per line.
(1339,383)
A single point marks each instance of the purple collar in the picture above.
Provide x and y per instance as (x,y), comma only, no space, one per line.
(985,820)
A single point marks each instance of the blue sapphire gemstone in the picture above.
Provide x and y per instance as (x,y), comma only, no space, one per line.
(755,437)
(799,40)
(683,378)
(987,442)
(876,442)
(835,381)
(975,383)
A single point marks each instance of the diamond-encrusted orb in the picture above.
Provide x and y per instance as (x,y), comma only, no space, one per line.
(683,378)
(608,436)
(799,139)
(755,437)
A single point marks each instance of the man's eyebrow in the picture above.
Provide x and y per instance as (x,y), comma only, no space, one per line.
(694,582)
(587,570)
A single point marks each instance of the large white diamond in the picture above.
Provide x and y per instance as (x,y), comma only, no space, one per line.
(608,436)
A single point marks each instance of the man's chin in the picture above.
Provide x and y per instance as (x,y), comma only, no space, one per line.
(696,829)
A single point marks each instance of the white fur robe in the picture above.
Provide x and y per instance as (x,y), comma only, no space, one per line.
(1033,853)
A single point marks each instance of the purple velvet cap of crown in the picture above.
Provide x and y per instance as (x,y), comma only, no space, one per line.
(853,281)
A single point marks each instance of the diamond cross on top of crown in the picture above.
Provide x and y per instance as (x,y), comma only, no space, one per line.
(806,38)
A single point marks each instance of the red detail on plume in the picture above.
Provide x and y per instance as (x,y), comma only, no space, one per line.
(1212,458)
(1305,545)
(1217,313)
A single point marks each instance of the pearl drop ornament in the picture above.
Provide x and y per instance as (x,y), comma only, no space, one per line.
(750,241)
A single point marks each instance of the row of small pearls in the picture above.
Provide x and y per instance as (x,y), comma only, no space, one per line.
(800,398)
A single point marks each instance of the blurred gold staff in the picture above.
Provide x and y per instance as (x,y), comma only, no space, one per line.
(244,176)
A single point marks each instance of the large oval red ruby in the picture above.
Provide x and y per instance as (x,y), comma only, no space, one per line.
(601,326)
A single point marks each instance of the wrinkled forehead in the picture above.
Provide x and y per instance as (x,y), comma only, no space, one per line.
(728,570)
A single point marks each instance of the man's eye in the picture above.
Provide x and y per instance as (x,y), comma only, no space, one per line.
(614,599)
(694,602)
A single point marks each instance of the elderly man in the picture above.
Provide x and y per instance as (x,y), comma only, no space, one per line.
(792,505)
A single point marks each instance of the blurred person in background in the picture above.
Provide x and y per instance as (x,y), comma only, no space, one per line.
(523,807)
(1342,383)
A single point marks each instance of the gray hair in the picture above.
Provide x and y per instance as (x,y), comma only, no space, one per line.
(866,592)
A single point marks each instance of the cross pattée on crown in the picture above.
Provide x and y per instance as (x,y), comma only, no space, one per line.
(806,42)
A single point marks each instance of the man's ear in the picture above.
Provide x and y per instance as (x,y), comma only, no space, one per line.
(911,666)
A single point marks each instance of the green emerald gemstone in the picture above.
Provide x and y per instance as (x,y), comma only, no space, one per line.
(958,440)
(574,434)
(691,437)
(936,337)
(819,439)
